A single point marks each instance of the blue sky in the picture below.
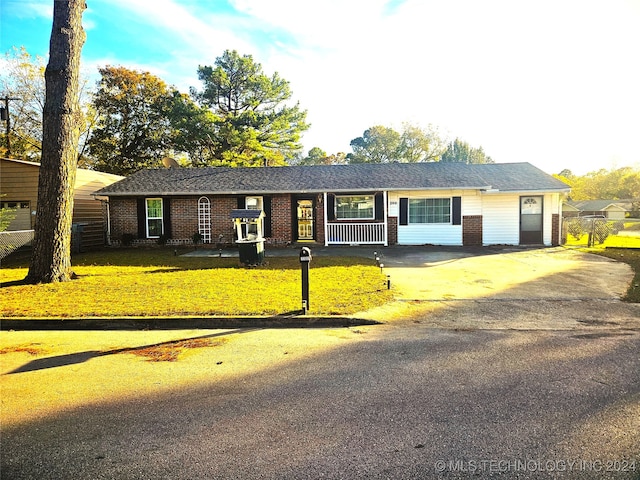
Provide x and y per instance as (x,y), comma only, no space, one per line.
(551,82)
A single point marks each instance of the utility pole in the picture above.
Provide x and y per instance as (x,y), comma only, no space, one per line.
(4,116)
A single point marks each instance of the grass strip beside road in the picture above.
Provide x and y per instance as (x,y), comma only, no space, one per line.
(630,256)
(155,282)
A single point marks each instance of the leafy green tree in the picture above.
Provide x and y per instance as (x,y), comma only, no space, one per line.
(254,124)
(22,78)
(317,156)
(381,144)
(377,144)
(134,129)
(615,184)
(461,152)
(420,144)
(194,129)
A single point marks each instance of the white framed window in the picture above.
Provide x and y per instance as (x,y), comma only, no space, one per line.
(204,219)
(254,203)
(155,227)
(429,210)
(354,207)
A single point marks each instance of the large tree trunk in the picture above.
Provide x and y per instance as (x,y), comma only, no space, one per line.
(51,257)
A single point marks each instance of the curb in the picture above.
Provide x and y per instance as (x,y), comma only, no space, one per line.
(180,323)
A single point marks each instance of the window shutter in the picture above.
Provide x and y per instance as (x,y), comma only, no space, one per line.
(456,211)
(331,207)
(142,218)
(166,216)
(379,206)
(404,211)
(266,205)
(242,202)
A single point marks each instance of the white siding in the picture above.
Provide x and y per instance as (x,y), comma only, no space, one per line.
(433,234)
(436,234)
(501,219)
(471,205)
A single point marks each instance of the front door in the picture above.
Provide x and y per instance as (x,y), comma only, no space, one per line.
(531,220)
(305,219)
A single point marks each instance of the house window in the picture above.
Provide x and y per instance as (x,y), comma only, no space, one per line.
(154,217)
(430,210)
(254,203)
(354,207)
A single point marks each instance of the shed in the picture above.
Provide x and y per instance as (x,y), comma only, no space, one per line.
(19,191)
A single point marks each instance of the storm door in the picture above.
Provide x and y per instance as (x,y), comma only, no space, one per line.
(305,219)
(531,220)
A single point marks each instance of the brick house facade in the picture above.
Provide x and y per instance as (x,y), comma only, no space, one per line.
(385,204)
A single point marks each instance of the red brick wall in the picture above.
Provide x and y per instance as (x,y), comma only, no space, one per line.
(184,217)
(472,230)
(392,233)
(555,229)
(320,219)
(124,216)
(221,223)
(281,217)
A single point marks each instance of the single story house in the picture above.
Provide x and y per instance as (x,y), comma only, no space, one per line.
(19,192)
(610,209)
(385,204)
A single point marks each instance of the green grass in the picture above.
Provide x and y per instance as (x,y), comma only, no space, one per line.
(154,282)
(630,256)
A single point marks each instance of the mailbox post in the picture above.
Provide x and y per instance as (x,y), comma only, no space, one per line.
(305,259)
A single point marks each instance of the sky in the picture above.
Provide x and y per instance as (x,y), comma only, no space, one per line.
(552,82)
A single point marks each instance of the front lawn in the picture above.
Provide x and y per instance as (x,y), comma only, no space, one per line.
(154,282)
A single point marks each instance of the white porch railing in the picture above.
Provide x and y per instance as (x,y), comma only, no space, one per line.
(356,233)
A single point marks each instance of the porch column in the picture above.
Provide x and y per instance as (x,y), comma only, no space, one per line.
(386,220)
(324,226)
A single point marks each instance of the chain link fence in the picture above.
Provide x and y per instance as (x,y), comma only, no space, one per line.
(13,240)
(600,231)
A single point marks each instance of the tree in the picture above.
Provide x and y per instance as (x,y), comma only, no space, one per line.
(461,152)
(420,144)
(51,255)
(255,126)
(615,184)
(381,144)
(194,129)
(377,144)
(23,79)
(317,156)
(133,129)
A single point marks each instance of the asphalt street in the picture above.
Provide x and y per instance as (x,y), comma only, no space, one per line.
(394,403)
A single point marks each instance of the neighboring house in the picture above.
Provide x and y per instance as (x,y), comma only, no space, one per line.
(19,191)
(385,204)
(610,209)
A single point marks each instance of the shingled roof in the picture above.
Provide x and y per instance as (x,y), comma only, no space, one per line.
(335,178)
